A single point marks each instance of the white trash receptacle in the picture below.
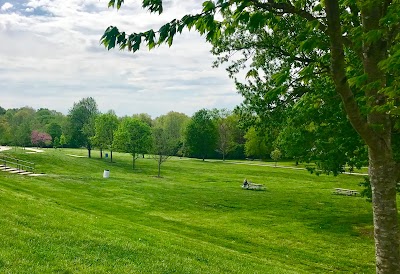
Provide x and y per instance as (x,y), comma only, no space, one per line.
(106,173)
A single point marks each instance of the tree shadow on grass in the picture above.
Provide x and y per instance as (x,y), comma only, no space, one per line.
(340,223)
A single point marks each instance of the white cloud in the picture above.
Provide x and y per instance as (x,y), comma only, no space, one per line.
(53,58)
(6,6)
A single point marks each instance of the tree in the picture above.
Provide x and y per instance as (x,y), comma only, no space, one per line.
(133,136)
(230,135)
(255,146)
(224,138)
(144,117)
(294,143)
(63,140)
(5,131)
(307,135)
(237,132)
(354,45)
(163,146)
(54,130)
(56,142)
(44,117)
(81,119)
(105,126)
(173,125)
(21,126)
(40,139)
(225,131)
(276,154)
(201,134)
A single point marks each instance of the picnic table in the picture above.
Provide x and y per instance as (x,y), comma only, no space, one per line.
(348,192)
(252,186)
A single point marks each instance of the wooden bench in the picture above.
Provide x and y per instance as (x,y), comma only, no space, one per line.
(348,192)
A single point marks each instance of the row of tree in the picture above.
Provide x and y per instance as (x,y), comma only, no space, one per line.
(209,133)
(306,131)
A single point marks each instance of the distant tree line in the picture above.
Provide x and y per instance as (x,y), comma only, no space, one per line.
(309,134)
(208,134)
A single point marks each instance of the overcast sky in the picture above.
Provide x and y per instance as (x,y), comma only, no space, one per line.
(50,57)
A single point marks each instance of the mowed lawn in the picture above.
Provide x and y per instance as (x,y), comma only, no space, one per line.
(195,219)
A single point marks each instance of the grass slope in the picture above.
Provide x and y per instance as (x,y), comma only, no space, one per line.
(195,219)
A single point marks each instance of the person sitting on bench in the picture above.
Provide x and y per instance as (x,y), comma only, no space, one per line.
(245,183)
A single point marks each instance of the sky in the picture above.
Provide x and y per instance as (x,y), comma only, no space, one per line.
(50,57)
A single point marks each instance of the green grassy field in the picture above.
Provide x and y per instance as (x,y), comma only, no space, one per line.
(195,219)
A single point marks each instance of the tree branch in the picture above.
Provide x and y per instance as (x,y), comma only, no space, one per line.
(339,74)
(273,6)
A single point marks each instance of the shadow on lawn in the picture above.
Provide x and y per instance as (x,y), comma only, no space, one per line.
(350,224)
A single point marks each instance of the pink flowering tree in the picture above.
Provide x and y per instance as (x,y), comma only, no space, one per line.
(40,139)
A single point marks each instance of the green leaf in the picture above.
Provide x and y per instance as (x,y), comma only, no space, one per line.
(153,5)
(150,35)
(111,3)
(318,8)
(172,32)
(373,36)
(280,77)
(229,30)
(201,26)
(121,38)
(137,40)
(252,73)
(257,21)
(242,17)
(191,21)
(164,31)
(208,6)
(358,81)
(309,44)
(119,3)
(109,37)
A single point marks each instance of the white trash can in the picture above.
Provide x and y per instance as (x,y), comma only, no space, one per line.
(106,173)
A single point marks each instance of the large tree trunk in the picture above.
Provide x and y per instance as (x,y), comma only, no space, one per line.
(382,172)
(381,163)
(375,131)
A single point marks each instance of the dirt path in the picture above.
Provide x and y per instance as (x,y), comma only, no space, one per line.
(30,149)
(34,150)
(4,148)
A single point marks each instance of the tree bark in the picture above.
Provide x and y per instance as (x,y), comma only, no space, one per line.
(382,172)
(382,166)
(101,153)
(111,156)
(375,131)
